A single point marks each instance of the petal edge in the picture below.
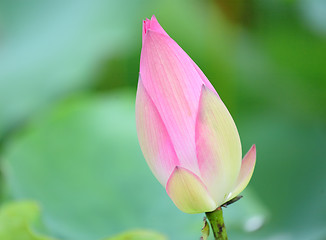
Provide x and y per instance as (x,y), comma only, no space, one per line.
(218,146)
(246,171)
(154,139)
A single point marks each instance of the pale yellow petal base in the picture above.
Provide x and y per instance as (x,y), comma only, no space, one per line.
(188,192)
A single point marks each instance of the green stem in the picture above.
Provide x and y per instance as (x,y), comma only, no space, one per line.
(217,223)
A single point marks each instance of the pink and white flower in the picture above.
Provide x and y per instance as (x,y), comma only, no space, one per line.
(186,133)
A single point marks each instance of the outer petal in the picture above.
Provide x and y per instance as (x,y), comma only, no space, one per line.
(247,169)
(153,137)
(174,86)
(218,146)
(188,192)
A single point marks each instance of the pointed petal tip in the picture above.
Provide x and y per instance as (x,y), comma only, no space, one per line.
(154,18)
(208,88)
(250,158)
(146,25)
(252,152)
(152,24)
(176,169)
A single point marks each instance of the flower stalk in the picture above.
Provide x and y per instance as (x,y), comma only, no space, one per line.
(217,223)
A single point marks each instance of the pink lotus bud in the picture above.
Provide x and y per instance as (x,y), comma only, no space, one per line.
(186,133)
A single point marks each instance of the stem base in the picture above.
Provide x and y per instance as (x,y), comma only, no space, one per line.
(217,223)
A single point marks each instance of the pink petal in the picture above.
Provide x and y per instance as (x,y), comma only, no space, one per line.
(174,86)
(246,171)
(152,25)
(153,137)
(188,192)
(218,146)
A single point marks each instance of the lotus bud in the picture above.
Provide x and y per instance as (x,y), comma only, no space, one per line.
(185,131)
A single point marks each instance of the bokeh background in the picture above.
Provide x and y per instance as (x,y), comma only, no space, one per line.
(68,144)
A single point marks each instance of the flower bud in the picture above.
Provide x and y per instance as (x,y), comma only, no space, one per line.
(186,133)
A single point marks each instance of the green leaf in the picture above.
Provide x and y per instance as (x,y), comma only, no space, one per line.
(52,48)
(17,220)
(82,163)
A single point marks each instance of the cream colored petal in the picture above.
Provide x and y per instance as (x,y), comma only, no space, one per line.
(247,169)
(218,146)
(188,192)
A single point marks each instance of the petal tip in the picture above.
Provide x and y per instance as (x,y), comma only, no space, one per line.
(252,150)
(154,18)
(152,24)
(207,90)
(175,170)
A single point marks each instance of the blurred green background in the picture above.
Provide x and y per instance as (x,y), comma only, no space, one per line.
(68,144)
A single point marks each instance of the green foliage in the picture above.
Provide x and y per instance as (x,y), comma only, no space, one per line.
(17,219)
(83,164)
(54,48)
